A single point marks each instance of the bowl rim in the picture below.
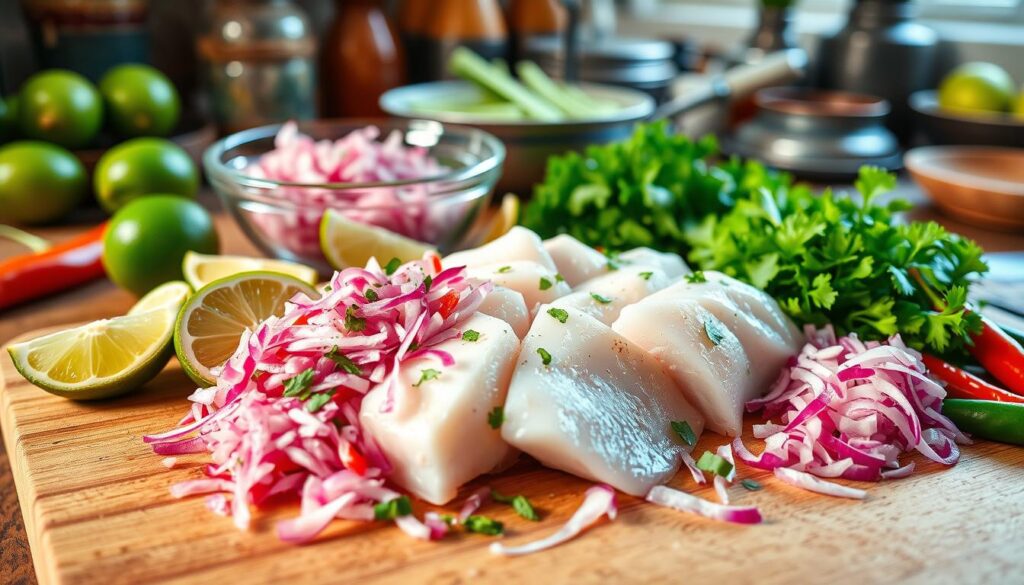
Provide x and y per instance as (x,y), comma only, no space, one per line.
(926,103)
(215,167)
(922,161)
(395,102)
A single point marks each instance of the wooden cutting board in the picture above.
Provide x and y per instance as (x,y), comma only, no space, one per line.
(97,510)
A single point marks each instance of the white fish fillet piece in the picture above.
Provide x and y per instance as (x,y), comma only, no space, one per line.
(671,264)
(518,243)
(576,261)
(437,436)
(535,282)
(715,375)
(509,306)
(605,296)
(602,409)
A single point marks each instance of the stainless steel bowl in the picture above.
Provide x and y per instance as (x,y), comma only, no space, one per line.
(528,144)
(982,128)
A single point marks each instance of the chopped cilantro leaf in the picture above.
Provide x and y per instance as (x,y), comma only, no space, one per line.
(545,283)
(392,266)
(646,275)
(427,374)
(713,329)
(496,417)
(318,400)
(545,357)
(483,525)
(429,280)
(561,314)
(371,295)
(601,299)
(391,509)
(343,361)
(519,503)
(504,269)
(751,485)
(470,335)
(696,277)
(559,277)
(299,384)
(685,432)
(352,322)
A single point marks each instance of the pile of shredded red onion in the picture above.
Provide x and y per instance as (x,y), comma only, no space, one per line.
(849,409)
(264,444)
(360,157)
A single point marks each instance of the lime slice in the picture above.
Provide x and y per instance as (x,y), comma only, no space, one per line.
(173,293)
(202,269)
(102,359)
(211,323)
(346,243)
(506,218)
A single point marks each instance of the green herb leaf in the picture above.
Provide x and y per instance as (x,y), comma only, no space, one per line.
(297,385)
(599,298)
(685,431)
(354,323)
(427,375)
(504,269)
(646,275)
(545,357)
(391,509)
(696,277)
(371,295)
(496,417)
(715,464)
(751,485)
(318,400)
(714,330)
(545,283)
(560,314)
(519,503)
(470,335)
(392,266)
(343,361)
(427,282)
(559,278)
(483,525)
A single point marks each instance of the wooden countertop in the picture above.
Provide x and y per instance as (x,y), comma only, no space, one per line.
(101,299)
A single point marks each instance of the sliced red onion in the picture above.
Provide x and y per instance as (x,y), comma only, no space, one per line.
(473,503)
(598,501)
(810,483)
(684,502)
(698,475)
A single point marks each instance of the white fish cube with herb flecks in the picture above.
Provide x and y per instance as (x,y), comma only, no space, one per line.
(576,261)
(444,427)
(604,297)
(586,400)
(518,244)
(535,282)
(509,306)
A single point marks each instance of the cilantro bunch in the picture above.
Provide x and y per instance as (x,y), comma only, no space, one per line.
(644,191)
(845,261)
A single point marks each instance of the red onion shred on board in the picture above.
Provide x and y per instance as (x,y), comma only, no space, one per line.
(725,452)
(598,501)
(362,156)
(677,500)
(848,409)
(264,444)
(804,480)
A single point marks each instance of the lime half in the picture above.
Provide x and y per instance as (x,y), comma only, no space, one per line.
(102,359)
(346,243)
(211,323)
(202,269)
(169,294)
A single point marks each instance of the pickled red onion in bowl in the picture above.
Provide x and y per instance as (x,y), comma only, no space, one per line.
(421,179)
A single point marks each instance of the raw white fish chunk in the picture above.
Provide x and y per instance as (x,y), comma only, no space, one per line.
(605,296)
(517,244)
(671,264)
(535,282)
(437,436)
(699,352)
(509,306)
(765,332)
(576,261)
(602,407)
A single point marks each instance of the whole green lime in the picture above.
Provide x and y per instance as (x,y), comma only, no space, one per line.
(62,107)
(140,100)
(39,182)
(977,87)
(143,166)
(147,240)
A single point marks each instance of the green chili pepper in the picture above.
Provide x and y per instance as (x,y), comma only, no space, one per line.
(995,421)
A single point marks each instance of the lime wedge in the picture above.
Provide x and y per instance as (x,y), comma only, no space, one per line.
(213,320)
(102,359)
(347,243)
(173,293)
(202,269)
(506,218)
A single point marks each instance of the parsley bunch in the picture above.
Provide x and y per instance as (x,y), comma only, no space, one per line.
(844,261)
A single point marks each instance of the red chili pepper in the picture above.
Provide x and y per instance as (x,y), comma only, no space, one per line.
(352,459)
(1001,355)
(437,262)
(66,265)
(963,384)
(446,306)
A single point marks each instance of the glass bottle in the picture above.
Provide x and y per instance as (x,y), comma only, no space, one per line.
(411,20)
(533,18)
(476,24)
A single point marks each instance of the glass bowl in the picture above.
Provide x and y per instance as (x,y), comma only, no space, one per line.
(450,210)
